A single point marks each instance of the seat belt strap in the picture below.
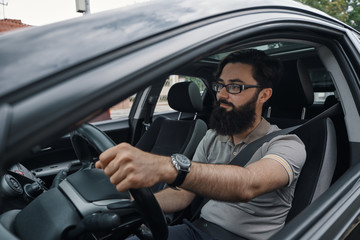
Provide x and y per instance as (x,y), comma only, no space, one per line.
(245,155)
(149,109)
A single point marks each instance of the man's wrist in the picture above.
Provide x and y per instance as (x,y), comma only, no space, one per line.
(170,173)
(182,165)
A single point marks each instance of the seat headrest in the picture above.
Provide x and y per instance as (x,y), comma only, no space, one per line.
(305,82)
(185,97)
(295,90)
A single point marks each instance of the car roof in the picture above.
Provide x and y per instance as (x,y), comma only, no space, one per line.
(36,54)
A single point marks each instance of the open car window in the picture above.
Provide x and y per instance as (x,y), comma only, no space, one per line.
(118,111)
(122,109)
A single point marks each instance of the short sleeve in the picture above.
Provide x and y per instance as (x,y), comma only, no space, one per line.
(289,151)
(200,154)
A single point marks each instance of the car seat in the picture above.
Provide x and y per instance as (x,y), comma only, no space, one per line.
(288,105)
(168,136)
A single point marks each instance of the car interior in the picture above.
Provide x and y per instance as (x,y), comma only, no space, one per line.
(306,90)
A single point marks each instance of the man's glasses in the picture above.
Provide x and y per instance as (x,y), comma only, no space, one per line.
(232,88)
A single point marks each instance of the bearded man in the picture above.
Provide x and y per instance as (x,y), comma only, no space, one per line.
(249,202)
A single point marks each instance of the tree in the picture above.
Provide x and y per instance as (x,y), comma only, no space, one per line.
(354,14)
(347,11)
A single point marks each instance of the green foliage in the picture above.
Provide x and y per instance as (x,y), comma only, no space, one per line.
(354,14)
(347,11)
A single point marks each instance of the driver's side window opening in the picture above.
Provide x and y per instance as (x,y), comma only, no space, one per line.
(118,111)
(122,109)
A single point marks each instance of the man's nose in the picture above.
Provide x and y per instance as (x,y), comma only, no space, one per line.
(222,93)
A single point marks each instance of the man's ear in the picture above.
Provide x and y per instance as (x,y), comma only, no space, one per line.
(264,95)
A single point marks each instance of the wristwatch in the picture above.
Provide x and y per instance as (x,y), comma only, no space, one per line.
(182,165)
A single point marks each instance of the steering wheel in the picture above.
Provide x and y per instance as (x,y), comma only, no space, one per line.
(88,135)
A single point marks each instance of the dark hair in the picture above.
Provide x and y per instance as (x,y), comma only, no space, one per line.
(266,70)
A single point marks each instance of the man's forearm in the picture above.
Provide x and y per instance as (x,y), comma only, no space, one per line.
(129,167)
(171,200)
(233,183)
(219,182)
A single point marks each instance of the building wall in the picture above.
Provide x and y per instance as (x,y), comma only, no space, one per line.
(11,24)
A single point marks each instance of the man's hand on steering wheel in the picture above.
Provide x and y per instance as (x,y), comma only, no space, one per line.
(129,167)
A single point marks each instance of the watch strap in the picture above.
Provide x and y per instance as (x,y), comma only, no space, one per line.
(180,178)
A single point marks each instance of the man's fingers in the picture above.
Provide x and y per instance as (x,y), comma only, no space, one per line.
(98,165)
(117,177)
(126,168)
(113,167)
(122,186)
(129,181)
(106,157)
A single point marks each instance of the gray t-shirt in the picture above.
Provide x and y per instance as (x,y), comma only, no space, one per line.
(264,215)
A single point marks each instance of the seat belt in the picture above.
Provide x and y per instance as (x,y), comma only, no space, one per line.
(243,157)
(151,101)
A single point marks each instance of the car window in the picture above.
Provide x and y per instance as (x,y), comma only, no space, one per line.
(320,97)
(162,105)
(122,109)
(322,84)
(119,110)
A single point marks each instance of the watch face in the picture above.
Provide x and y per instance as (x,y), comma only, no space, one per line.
(183,161)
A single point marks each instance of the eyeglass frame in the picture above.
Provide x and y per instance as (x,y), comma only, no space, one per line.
(242,87)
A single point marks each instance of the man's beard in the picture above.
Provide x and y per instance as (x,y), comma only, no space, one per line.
(236,121)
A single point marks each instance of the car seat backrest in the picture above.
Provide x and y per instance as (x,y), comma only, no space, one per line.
(317,173)
(289,106)
(168,136)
